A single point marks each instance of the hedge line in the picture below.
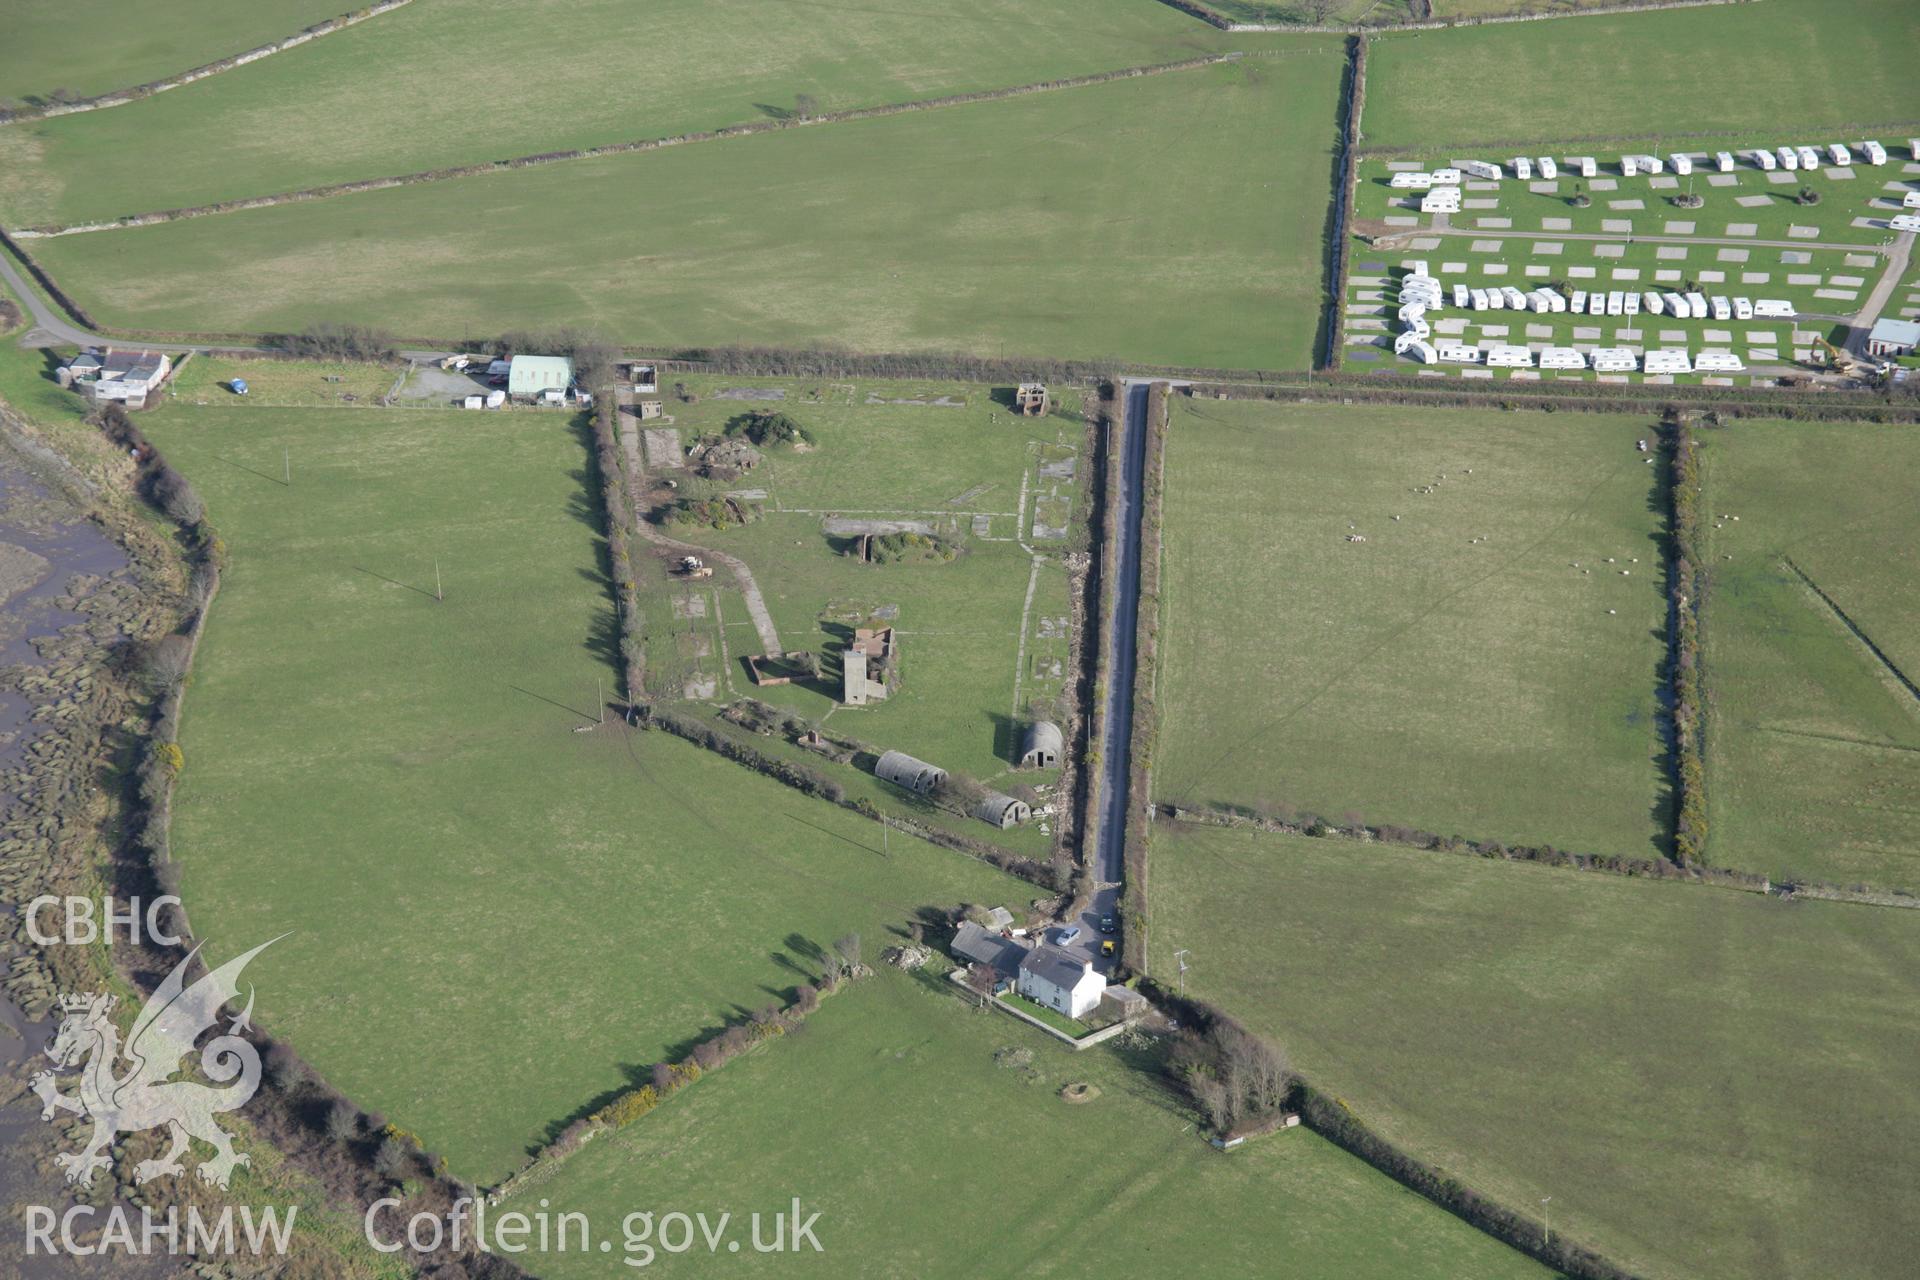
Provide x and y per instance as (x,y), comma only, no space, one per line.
(618,508)
(1356,97)
(1420,16)
(1782,404)
(748,129)
(812,783)
(1145,684)
(1687,583)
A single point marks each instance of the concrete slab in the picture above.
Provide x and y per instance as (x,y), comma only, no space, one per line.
(1839,175)
(1803,278)
(1861,260)
(1846,282)
(1781,178)
(1758,354)
(1626,273)
(1481,184)
(1668,277)
(1494,269)
(1795,257)
(1722,336)
(1617,226)
(1663,182)
(1539,331)
(1762,337)
(1544,188)
(1743,229)
(1537,272)
(1712,277)
(1404,166)
(1400,220)
(1803,233)
(1673,335)
(1471,202)
(1556,224)
(1587,332)
(1723,179)
(1609,251)
(1453,268)
(1548,248)
(1421,244)
(1671,252)
(1679,228)
(1487,246)
(1476,373)
(1581,273)
(1733,255)
(1603,184)
(1838,295)
(1626,204)
(1493,224)
(1753,202)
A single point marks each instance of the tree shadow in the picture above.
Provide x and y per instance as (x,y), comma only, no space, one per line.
(1006,737)
(772,112)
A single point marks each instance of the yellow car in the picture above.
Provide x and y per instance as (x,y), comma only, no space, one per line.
(1106,947)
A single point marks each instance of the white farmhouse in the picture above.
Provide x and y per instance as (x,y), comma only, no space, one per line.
(1061,980)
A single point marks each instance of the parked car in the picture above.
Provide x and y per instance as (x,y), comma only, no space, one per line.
(1107,948)
(1067,936)
(1107,925)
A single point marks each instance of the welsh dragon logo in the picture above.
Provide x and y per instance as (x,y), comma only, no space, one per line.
(145,1095)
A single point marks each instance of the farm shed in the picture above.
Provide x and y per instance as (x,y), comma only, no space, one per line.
(1000,810)
(1041,745)
(1061,980)
(531,375)
(902,770)
(130,375)
(864,665)
(1893,338)
(975,945)
(1030,398)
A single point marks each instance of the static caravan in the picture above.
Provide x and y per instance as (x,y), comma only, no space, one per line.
(1496,300)
(1411,311)
(1411,181)
(1479,297)
(1697,303)
(1417,268)
(1876,154)
(1718,362)
(1913,148)
(1651,301)
(1743,308)
(1562,358)
(1445,177)
(1522,168)
(1461,297)
(1789,158)
(1764,159)
(1441,200)
(1772,309)
(1723,160)
(1809,158)
(1510,358)
(1556,301)
(1516,300)
(1483,169)
(1910,200)
(1540,301)
(1616,302)
(495,399)
(1651,164)
(1585,166)
(1418,327)
(1629,166)
(1459,353)
(1548,169)
(1408,345)
(1677,307)
(1579,302)
(1682,165)
(1613,360)
(1667,361)
(1632,301)
(1905,222)
(1722,308)
(1839,154)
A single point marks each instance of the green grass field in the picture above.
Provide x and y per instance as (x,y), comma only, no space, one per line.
(462,76)
(1454,672)
(1804,68)
(92,46)
(1708,1083)
(495,920)
(1814,743)
(896,1123)
(990,228)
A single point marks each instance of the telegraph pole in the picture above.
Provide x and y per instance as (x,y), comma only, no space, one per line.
(1547,1201)
(1180,959)
(436,581)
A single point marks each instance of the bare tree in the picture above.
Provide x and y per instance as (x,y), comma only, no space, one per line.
(662,1078)
(833,969)
(981,980)
(1320,11)
(847,947)
(342,1120)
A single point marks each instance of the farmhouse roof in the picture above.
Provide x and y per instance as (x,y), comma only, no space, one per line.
(1052,964)
(527,375)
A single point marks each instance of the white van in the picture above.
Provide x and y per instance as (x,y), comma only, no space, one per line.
(1764,159)
(1667,361)
(1483,169)
(1548,169)
(1651,304)
(1743,308)
(1540,301)
(1910,200)
(1510,358)
(1651,164)
(1905,222)
(1496,300)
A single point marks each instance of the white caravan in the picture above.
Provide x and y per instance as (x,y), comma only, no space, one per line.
(1743,308)
(1789,158)
(1764,159)
(1723,160)
(1510,358)
(1772,309)
(1613,360)
(1667,361)
(1682,164)
(1838,153)
(1876,154)
(1718,362)
(1562,358)
(1548,169)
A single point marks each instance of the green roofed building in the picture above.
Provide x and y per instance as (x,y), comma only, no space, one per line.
(531,375)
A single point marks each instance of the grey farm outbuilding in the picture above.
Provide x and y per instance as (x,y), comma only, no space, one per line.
(902,770)
(1042,745)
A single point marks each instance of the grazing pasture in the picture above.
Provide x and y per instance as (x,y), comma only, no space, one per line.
(1672,1064)
(1803,68)
(987,228)
(494,919)
(459,74)
(1814,738)
(891,1107)
(1485,664)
